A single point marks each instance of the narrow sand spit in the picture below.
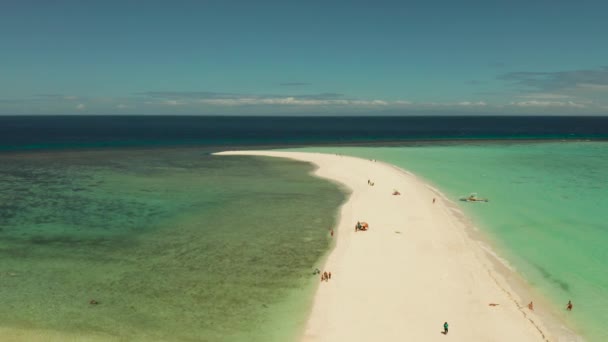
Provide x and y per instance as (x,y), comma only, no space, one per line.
(413,270)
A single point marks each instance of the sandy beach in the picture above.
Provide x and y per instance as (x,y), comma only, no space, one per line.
(414,269)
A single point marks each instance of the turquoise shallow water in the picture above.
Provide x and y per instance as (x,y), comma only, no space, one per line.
(547,216)
(176,245)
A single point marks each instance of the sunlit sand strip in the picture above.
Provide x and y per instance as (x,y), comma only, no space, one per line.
(413,270)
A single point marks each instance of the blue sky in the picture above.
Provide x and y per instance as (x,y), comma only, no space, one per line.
(304,57)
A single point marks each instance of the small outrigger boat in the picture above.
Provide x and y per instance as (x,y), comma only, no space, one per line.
(473,198)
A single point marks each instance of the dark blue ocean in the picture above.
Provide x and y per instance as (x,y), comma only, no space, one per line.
(56,132)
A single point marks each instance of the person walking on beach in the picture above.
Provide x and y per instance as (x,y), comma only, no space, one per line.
(332,233)
(445,328)
(433,200)
(569,306)
(531,306)
(329,275)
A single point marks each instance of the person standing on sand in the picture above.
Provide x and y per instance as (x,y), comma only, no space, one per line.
(531,306)
(569,306)
(433,200)
(332,233)
(445,328)
(329,274)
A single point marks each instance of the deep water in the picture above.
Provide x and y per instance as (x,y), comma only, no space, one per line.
(86,131)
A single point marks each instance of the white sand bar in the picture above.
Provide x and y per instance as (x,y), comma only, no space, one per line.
(415,268)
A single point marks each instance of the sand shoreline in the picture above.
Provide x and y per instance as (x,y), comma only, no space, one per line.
(415,268)
(509,280)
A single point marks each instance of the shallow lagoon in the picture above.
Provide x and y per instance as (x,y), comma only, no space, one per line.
(175,244)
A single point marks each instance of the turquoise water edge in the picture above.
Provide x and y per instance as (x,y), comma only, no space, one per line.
(547,214)
(175,245)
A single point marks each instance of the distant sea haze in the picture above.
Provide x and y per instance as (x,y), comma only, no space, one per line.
(57,132)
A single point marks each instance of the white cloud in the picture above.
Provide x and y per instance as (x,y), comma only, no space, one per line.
(402,102)
(173,103)
(454,104)
(235,99)
(367,103)
(545,96)
(470,104)
(294,101)
(81,106)
(537,103)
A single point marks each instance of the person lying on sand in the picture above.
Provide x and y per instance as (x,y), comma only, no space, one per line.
(395,192)
(493,304)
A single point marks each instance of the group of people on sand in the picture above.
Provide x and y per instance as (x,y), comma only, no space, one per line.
(325,276)
(361,226)
(569,306)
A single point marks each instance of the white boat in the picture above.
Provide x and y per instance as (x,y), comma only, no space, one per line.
(473,198)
